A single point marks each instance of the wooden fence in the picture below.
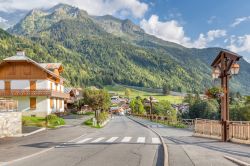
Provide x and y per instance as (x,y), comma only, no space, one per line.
(207,127)
(239,131)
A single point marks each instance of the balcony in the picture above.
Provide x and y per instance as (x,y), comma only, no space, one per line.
(28,92)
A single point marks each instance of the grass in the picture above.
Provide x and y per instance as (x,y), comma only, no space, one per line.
(120,90)
(41,121)
(172,124)
(90,124)
(89,113)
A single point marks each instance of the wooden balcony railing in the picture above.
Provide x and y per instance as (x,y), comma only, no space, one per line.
(28,92)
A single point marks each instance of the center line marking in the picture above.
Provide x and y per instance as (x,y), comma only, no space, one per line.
(141,140)
(126,139)
(84,140)
(112,139)
(98,140)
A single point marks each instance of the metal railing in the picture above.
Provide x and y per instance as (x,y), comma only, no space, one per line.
(29,92)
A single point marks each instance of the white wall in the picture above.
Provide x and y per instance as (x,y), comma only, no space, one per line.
(42,105)
(20,84)
(1,84)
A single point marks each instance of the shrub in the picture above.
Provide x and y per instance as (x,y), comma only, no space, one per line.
(103,116)
(51,117)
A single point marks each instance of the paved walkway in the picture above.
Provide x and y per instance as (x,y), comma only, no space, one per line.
(186,150)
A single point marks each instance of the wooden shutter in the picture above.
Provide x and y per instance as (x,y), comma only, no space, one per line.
(7,85)
(32,103)
(32,85)
(51,103)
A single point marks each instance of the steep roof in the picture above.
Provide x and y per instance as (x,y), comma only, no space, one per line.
(51,66)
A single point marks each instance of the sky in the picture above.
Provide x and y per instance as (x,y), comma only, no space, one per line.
(191,23)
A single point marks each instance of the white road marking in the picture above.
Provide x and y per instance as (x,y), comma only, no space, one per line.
(98,140)
(141,140)
(84,140)
(156,140)
(112,139)
(126,139)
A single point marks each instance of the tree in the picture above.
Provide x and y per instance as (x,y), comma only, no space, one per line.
(97,100)
(164,108)
(127,92)
(137,106)
(166,89)
(206,109)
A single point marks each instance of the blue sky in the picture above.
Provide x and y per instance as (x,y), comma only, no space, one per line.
(192,23)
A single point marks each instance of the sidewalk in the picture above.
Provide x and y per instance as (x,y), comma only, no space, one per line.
(186,150)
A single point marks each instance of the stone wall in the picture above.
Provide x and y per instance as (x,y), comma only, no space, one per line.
(10,124)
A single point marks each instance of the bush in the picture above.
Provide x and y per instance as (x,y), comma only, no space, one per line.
(51,117)
(103,116)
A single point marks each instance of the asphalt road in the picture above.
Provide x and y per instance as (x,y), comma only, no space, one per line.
(122,142)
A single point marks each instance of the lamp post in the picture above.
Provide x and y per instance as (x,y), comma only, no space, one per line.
(224,66)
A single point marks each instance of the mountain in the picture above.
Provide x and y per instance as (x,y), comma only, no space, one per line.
(103,49)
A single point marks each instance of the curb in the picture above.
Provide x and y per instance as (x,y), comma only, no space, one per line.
(34,132)
(165,149)
(238,162)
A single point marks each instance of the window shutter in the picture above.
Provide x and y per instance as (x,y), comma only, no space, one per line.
(32,103)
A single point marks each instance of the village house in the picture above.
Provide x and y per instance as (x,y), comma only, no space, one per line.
(38,87)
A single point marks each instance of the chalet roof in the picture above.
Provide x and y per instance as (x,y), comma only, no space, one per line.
(25,58)
(51,66)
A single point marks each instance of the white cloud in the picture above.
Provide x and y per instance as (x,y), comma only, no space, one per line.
(172,31)
(2,20)
(135,8)
(239,20)
(239,43)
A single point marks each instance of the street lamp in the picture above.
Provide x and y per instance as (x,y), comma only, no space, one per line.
(235,69)
(224,66)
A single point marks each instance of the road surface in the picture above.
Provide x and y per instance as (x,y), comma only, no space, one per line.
(122,142)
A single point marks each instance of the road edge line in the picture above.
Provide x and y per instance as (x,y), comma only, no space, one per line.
(165,149)
(237,161)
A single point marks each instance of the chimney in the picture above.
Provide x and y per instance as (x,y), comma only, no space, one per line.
(20,53)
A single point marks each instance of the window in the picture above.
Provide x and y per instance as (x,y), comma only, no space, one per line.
(51,103)
(32,103)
